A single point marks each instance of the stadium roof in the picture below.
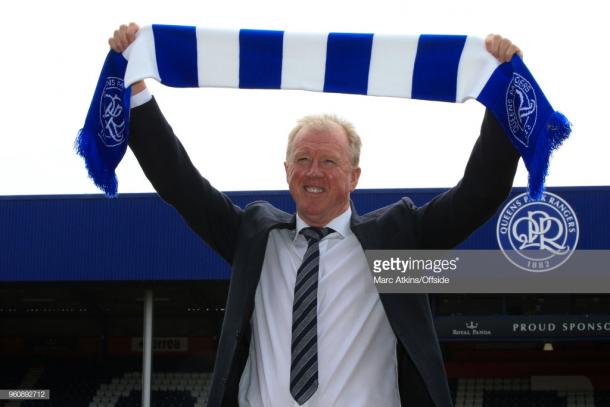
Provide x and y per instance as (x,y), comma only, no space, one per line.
(137,237)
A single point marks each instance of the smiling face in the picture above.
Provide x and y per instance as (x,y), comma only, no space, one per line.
(320,173)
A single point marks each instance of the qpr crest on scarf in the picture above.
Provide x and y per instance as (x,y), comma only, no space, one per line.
(112,114)
(537,236)
(521,108)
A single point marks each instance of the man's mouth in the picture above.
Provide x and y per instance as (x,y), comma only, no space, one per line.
(314,190)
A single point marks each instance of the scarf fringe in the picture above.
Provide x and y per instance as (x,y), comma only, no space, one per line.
(555,132)
(103,177)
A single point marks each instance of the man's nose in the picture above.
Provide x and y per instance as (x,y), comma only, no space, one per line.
(315,170)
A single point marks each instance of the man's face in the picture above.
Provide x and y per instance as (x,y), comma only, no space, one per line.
(320,174)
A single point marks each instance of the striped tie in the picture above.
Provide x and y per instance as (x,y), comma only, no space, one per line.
(304,365)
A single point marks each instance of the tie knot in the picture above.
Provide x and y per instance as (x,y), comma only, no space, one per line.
(314,235)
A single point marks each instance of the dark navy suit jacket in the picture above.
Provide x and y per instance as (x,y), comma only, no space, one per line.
(240,237)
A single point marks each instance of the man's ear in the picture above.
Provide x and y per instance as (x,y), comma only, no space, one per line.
(286,169)
(355,177)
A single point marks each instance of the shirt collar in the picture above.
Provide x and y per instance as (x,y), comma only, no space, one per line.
(340,224)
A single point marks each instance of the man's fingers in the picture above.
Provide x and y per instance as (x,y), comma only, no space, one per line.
(504,50)
(123,37)
(507,50)
(131,32)
(114,42)
(492,42)
(501,48)
(123,32)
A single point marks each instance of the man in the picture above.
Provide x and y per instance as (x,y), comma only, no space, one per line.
(304,324)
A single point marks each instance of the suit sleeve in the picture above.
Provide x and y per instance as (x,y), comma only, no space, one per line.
(451,217)
(210,213)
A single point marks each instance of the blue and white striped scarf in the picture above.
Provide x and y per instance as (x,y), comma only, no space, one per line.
(447,68)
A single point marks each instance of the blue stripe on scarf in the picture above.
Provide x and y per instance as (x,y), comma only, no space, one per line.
(436,66)
(348,58)
(176,51)
(260,59)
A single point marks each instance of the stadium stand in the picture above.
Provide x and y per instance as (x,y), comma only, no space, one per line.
(109,384)
(513,398)
(517,392)
(168,389)
(71,383)
(11,374)
(602,398)
(159,398)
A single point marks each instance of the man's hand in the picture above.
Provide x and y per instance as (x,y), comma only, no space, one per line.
(125,35)
(120,40)
(501,48)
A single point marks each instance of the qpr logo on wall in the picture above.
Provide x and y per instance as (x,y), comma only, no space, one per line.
(537,236)
(521,108)
(112,119)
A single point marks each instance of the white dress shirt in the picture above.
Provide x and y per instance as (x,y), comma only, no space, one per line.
(356,347)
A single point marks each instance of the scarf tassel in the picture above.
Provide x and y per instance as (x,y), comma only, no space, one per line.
(556,130)
(102,176)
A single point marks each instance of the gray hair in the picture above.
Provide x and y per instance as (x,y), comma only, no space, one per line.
(323,121)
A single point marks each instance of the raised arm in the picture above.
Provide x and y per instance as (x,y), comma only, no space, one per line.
(167,165)
(451,217)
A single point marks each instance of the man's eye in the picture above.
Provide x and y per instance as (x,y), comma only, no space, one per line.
(303,159)
(330,162)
